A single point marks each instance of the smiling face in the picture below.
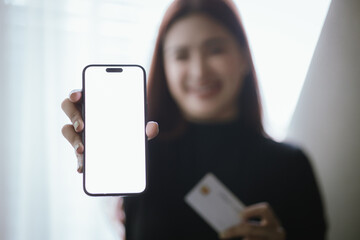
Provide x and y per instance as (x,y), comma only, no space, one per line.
(204,68)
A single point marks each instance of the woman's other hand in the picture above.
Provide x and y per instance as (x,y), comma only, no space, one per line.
(72,132)
(268,228)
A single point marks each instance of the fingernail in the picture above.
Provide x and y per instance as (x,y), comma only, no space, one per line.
(80,163)
(77,147)
(76,125)
(74,91)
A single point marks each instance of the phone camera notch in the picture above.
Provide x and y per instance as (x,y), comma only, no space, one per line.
(114,69)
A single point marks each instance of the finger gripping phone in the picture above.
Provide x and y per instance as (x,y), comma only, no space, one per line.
(114,112)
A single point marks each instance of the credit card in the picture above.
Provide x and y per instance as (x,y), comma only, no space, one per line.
(215,203)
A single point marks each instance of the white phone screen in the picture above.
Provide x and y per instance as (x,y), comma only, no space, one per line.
(114,134)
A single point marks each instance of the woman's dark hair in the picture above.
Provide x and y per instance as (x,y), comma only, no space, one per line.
(162,107)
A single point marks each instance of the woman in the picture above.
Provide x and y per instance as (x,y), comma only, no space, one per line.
(202,90)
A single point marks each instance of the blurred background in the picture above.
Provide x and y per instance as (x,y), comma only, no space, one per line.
(306,54)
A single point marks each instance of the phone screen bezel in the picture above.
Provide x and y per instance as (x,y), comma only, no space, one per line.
(84,132)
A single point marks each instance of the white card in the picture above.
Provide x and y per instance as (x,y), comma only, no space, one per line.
(215,203)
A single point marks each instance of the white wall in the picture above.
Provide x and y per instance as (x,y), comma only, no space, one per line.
(326,121)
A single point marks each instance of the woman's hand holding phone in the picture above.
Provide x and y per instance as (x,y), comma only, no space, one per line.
(72,132)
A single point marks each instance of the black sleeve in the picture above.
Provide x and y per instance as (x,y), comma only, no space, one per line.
(305,218)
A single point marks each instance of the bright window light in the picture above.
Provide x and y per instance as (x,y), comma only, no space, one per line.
(282,36)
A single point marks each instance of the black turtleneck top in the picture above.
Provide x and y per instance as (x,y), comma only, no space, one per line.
(256,169)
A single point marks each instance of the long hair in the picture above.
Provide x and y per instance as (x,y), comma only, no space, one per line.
(161,106)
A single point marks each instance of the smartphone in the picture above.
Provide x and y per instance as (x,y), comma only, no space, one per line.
(114,112)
